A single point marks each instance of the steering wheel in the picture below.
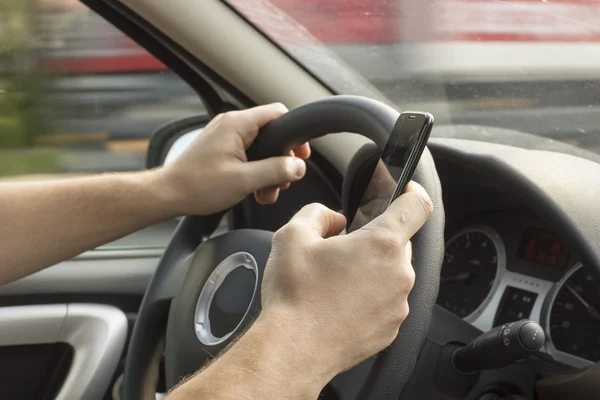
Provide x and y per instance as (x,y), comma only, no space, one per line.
(205,291)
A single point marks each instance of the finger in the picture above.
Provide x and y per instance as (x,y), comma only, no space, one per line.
(303,151)
(415,187)
(215,120)
(280,187)
(267,195)
(247,123)
(262,115)
(287,184)
(407,214)
(272,171)
(323,221)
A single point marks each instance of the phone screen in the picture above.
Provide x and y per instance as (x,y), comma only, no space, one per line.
(395,166)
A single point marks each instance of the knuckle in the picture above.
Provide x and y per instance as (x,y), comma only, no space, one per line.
(281,167)
(227,117)
(411,277)
(316,208)
(290,230)
(388,244)
(404,281)
(399,314)
(235,120)
(403,312)
(278,236)
(423,203)
(408,278)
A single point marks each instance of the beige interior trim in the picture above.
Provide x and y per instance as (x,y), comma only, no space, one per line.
(226,43)
(215,34)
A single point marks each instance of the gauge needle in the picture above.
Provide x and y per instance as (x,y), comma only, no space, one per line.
(591,309)
(581,299)
(458,277)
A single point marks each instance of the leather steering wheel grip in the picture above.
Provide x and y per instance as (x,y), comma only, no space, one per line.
(356,114)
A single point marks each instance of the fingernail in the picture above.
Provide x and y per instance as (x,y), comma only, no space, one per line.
(258,196)
(296,166)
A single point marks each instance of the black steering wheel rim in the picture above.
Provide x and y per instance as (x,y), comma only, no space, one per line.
(356,114)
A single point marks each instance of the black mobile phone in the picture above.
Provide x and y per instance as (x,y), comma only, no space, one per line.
(395,167)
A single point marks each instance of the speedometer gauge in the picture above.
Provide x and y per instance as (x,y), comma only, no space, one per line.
(574,321)
(469,270)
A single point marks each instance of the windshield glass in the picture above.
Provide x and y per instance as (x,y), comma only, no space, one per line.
(521,72)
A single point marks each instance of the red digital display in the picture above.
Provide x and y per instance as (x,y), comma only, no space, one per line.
(543,246)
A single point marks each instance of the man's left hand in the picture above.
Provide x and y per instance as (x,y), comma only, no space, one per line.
(213,174)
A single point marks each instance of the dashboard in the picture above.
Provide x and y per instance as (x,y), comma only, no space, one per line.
(519,224)
(502,263)
(503,266)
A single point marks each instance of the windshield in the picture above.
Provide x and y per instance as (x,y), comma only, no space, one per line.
(522,72)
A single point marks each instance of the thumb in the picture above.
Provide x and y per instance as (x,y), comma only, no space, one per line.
(273,171)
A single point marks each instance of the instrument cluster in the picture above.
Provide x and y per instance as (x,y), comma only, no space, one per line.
(501,267)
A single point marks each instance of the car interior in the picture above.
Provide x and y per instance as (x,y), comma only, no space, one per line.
(510,256)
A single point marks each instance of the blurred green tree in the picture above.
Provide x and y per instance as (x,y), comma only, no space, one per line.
(21,92)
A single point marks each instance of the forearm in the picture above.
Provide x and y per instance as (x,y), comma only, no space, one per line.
(43,223)
(264,364)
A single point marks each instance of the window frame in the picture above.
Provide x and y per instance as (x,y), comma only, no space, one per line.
(203,80)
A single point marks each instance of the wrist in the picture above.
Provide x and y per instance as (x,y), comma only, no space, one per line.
(300,340)
(166,194)
(286,358)
(266,363)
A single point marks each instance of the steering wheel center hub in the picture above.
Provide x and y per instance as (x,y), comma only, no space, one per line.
(219,314)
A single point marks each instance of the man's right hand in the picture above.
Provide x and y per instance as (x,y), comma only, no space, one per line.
(329,302)
(341,299)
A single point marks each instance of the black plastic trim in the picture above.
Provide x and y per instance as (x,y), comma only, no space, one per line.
(34,371)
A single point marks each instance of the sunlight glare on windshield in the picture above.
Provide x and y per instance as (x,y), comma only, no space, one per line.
(522,66)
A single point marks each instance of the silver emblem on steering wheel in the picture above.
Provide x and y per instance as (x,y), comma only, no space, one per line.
(202,324)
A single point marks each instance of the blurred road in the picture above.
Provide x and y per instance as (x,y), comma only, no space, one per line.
(529,67)
(126,110)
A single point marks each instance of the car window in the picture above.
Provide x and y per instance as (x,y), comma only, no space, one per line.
(520,67)
(77,95)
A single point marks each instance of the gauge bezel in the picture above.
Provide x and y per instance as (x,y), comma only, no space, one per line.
(498,243)
(559,355)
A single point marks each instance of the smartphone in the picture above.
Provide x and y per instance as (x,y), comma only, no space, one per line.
(395,167)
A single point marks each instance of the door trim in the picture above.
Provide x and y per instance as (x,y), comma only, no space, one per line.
(96,332)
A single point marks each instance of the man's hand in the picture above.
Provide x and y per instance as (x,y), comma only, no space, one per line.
(213,174)
(376,198)
(343,298)
(80,214)
(329,302)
